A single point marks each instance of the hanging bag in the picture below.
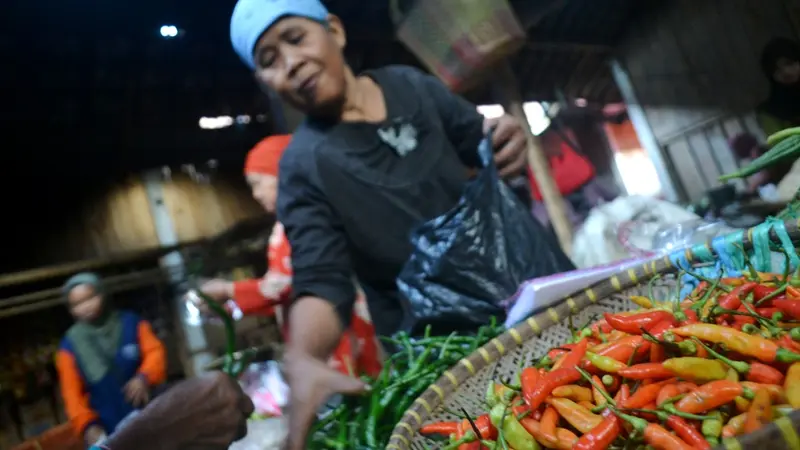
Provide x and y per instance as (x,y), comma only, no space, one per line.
(467,261)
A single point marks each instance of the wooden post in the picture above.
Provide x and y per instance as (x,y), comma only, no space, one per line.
(553,201)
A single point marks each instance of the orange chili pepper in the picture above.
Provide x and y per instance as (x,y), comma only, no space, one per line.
(710,396)
(759,413)
(549,423)
(599,399)
(645,394)
(573,392)
(776,392)
(791,385)
(579,417)
(587,405)
(739,342)
(645,371)
(667,392)
(565,439)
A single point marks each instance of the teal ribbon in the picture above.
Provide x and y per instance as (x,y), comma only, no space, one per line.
(762,257)
(779,227)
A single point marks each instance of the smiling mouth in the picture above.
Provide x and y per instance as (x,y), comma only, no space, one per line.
(308,87)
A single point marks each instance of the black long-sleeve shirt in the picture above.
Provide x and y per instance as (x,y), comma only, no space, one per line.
(349,201)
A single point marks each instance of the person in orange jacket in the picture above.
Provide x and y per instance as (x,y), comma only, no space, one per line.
(108,361)
(358,350)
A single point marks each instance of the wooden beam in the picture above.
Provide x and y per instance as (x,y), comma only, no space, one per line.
(64,270)
(507,84)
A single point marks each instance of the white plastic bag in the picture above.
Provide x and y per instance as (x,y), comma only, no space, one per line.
(623,228)
(264,384)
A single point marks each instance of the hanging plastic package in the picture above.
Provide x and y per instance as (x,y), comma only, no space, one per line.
(466,262)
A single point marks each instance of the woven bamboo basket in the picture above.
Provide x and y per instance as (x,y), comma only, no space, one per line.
(464,385)
(458,40)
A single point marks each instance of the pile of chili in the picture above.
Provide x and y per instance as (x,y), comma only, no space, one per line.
(720,363)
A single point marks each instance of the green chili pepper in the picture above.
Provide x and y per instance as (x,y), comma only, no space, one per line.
(230,333)
(515,434)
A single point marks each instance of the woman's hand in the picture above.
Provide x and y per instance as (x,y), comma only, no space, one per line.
(137,392)
(311,383)
(208,412)
(219,290)
(510,145)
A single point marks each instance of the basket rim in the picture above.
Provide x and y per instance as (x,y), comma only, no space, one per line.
(435,395)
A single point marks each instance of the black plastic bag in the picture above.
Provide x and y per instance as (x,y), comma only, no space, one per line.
(466,262)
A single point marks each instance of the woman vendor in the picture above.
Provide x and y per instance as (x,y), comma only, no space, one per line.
(108,361)
(377,155)
(357,351)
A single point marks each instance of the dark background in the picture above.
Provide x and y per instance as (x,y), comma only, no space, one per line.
(92,91)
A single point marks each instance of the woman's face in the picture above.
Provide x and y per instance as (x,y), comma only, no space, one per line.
(787,71)
(302,61)
(85,303)
(264,189)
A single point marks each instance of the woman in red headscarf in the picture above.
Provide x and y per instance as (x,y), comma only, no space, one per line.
(358,349)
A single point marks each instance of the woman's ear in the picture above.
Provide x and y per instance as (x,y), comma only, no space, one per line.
(336,29)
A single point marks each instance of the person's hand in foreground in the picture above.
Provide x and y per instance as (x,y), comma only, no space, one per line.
(510,145)
(137,392)
(209,412)
(312,382)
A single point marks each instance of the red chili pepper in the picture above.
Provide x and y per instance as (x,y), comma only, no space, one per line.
(552,380)
(733,299)
(789,307)
(484,424)
(634,324)
(761,291)
(528,379)
(463,429)
(659,329)
(688,433)
(743,320)
(768,312)
(658,437)
(601,436)
(691,317)
(786,342)
(644,371)
(443,428)
(623,349)
(600,327)
(645,394)
(576,355)
(657,353)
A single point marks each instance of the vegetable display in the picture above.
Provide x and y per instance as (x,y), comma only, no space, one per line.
(720,363)
(366,422)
